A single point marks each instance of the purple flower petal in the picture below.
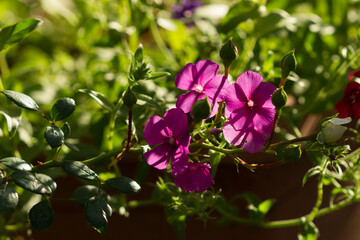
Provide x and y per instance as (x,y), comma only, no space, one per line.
(235,97)
(264,120)
(195,178)
(254,142)
(187,100)
(215,88)
(180,160)
(185,78)
(262,95)
(159,156)
(242,118)
(154,131)
(176,120)
(249,81)
(233,136)
(205,70)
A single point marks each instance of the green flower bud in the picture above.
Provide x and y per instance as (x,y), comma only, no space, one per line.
(279,98)
(332,131)
(228,53)
(291,153)
(288,64)
(201,109)
(139,53)
(129,98)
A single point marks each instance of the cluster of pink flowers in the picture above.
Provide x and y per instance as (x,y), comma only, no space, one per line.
(248,108)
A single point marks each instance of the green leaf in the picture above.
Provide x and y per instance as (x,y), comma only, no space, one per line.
(17,32)
(149,101)
(100,98)
(271,22)
(79,169)
(265,206)
(41,216)
(139,53)
(22,100)
(82,194)
(66,129)
(13,116)
(54,136)
(312,172)
(309,230)
(123,184)
(155,75)
(29,182)
(97,212)
(47,181)
(238,13)
(8,197)
(16,163)
(63,108)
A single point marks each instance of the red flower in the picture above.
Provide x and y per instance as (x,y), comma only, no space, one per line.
(354,73)
(349,105)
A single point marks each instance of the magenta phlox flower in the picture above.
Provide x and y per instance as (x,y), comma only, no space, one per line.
(250,112)
(195,177)
(172,138)
(201,81)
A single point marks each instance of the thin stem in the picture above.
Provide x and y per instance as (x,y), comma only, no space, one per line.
(276,118)
(301,139)
(222,150)
(128,144)
(4,67)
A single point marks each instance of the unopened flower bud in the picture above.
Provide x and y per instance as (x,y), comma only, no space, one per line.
(279,98)
(201,109)
(129,98)
(288,64)
(332,130)
(228,53)
(292,153)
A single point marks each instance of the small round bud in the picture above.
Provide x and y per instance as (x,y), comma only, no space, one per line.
(201,109)
(228,53)
(279,98)
(332,130)
(129,98)
(292,153)
(288,64)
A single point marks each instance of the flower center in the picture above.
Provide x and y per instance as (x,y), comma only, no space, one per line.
(172,141)
(199,89)
(250,103)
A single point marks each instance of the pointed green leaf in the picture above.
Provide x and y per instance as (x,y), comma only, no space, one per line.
(16,163)
(22,100)
(123,184)
(13,116)
(41,216)
(265,206)
(8,197)
(66,129)
(149,101)
(271,22)
(82,194)
(100,98)
(78,169)
(97,212)
(54,136)
(17,32)
(312,172)
(47,181)
(63,108)
(29,182)
(155,75)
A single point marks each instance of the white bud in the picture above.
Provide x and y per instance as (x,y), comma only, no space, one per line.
(332,130)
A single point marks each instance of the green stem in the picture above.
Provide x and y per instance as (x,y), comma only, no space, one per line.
(222,150)
(15,227)
(301,139)
(136,203)
(4,67)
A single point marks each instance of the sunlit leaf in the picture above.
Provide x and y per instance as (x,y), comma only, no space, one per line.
(22,100)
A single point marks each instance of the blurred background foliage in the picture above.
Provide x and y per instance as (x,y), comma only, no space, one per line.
(87,44)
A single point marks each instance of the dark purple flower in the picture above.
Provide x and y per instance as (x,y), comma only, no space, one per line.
(185,8)
(195,177)
(354,73)
(349,105)
(201,80)
(250,112)
(172,137)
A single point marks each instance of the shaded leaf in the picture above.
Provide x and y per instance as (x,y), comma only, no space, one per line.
(46,181)
(82,194)
(8,197)
(100,98)
(54,136)
(13,117)
(271,22)
(29,182)
(66,129)
(123,184)
(22,100)
(150,101)
(155,75)
(16,163)
(63,108)
(79,169)
(97,212)
(41,216)
(17,32)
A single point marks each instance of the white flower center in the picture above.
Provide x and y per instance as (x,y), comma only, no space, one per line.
(199,89)
(250,103)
